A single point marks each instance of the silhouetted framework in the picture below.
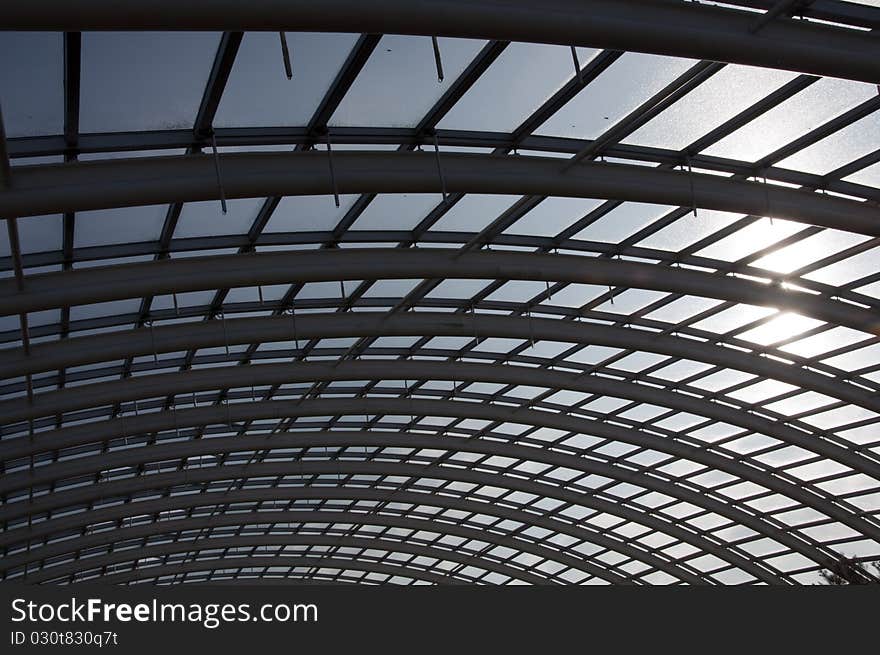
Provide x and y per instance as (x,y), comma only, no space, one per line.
(481,396)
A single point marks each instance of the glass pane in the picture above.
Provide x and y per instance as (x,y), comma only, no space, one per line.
(258,92)
(552,216)
(396,211)
(35,234)
(793,118)
(842,147)
(622,221)
(457,289)
(143,80)
(308,213)
(398,85)
(627,83)
(809,250)
(715,101)
(119,225)
(869,176)
(781,327)
(757,236)
(474,212)
(689,229)
(576,295)
(199,219)
(32,61)
(852,268)
(513,87)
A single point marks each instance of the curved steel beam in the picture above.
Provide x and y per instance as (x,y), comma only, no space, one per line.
(670,28)
(79,186)
(387,545)
(130,485)
(153,422)
(257,375)
(129,555)
(45,146)
(170,503)
(106,283)
(53,473)
(78,351)
(88,466)
(275,561)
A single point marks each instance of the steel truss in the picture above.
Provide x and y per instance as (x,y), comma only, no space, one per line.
(108,421)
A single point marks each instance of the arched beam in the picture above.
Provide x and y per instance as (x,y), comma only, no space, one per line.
(256,375)
(91,466)
(153,422)
(744,470)
(129,555)
(106,283)
(52,474)
(128,486)
(365,136)
(275,561)
(79,186)
(79,351)
(211,543)
(158,506)
(669,28)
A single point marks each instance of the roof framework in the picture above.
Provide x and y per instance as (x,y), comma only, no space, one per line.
(429,385)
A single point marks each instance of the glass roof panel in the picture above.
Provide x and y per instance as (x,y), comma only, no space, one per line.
(473,212)
(869,176)
(126,224)
(32,61)
(258,91)
(784,326)
(143,80)
(35,234)
(522,351)
(622,221)
(760,234)
(396,211)
(821,343)
(552,216)
(207,218)
(711,104)
(842,147)
(689,229)
(514,86)
(809,250)
(626,84)
(849,269)
(399,83)
(308,213)
(791,119)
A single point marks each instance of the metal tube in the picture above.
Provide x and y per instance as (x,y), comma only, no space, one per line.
(689,29)
(134,280)
(78,186)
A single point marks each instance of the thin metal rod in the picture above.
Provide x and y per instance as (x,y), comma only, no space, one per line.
(437,60)
(781,7)
(693,195)
(439,167)
(285,54)
(217,171)
(15,248)
(332,170)
(577,66)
